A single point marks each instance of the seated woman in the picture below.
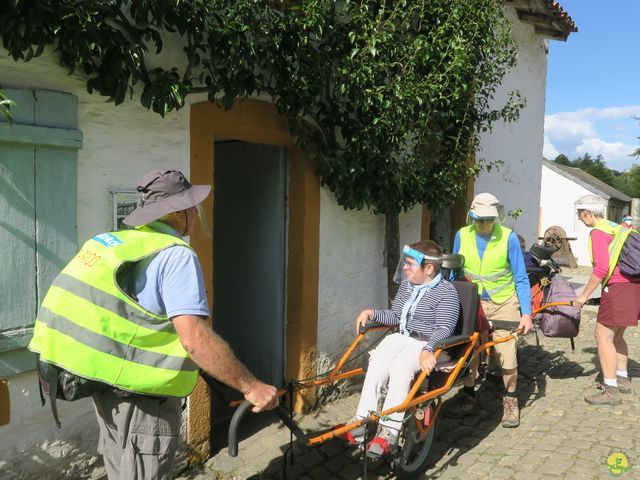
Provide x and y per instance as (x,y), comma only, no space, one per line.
(426,310)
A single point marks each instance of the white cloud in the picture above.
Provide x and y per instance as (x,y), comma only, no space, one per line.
(548,150)
(619,112)
(568,125)
(593,131)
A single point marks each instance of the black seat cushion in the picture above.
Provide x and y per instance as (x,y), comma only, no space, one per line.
(467,319)
(469,304)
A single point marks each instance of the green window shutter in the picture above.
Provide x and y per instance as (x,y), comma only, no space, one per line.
(38,185)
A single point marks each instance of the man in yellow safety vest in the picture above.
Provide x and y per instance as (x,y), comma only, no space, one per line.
(127,314)
(494,261)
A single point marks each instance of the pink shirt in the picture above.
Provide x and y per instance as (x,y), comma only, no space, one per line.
(600,244)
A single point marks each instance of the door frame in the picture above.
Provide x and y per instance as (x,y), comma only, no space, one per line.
(259,122)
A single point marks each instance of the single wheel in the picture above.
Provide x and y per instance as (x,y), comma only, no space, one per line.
(413,456)
(553,237)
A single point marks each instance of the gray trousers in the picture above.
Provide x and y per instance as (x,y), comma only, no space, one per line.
(138,435)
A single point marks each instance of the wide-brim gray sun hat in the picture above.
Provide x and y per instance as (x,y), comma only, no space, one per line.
(163,192)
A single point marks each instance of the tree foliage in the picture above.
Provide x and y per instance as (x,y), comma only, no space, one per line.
(629,182)
(388,98)
(562,159)
(597,167)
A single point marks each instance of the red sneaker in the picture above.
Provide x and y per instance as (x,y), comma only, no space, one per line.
(354,436)
(383,444)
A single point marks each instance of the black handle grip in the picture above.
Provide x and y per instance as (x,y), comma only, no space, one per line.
(232,439)
(232,442)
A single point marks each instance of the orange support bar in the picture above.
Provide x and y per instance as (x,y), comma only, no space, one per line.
(552,304)
(410,400)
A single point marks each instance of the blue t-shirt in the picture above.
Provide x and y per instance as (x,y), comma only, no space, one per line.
(171,282)
(516,262)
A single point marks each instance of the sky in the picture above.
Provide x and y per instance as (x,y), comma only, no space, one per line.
(593,84)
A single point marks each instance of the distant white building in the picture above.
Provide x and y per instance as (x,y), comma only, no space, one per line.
(561,186)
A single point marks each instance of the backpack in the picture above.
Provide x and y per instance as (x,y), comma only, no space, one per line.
(629,260)
(563,321)
(59,384)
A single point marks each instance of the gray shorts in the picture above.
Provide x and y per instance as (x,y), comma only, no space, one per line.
(138,435)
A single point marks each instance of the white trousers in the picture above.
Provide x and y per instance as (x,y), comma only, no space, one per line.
(395,361)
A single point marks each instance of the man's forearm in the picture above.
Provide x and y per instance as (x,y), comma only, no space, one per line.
(218,360)
(211,353)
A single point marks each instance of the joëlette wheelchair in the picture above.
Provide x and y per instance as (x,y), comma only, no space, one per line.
(423,403)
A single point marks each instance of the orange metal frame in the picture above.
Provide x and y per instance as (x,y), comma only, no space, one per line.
(411,401)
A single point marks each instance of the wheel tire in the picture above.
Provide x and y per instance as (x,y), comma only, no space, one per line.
(413,457)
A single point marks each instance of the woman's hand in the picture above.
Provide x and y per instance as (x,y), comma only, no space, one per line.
(427,360)
(362,319)
(580,300)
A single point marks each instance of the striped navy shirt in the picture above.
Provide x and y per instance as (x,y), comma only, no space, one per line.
(435,316)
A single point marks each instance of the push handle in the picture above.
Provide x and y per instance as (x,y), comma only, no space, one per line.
(232,442)
(232,439)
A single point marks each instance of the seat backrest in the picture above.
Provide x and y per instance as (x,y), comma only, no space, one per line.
(452,266)
(469,303)
(542,252)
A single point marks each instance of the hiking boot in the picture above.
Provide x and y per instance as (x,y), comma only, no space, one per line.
(510,412)
(383,444)
(624,384)
(606,396)
(460,405)
(355,436)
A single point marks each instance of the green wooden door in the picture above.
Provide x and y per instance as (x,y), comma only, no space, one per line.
(250,254)
(38,185)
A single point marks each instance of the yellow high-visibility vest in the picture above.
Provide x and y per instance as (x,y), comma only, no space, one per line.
(89,326)
(619,235)
(492,273)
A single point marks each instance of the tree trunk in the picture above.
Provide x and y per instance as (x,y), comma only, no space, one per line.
(392,250)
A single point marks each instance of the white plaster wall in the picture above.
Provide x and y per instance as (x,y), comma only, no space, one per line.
(31,446)
(411,226)
(519,145)
(119,145)
(558,195)
(352,274)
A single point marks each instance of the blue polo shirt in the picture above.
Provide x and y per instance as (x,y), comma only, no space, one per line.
(171,282)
